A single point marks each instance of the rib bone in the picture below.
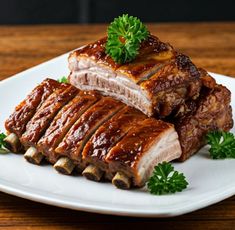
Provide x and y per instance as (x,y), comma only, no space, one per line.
(13,143)
(33,156)
(92,172)
(64,165)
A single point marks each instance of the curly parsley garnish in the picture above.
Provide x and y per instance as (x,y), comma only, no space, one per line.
(125,34)
(222,144)
(3,144)
(165,180)
(63,80)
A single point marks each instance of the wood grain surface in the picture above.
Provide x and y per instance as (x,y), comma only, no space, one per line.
(210,45)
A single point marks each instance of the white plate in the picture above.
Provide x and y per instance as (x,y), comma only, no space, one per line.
(209,180)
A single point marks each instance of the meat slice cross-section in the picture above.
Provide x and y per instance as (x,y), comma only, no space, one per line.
(156,82)
(150,142)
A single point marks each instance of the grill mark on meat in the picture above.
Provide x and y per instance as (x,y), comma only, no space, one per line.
(18,120)
(43,117)
(63,121)
(87,124)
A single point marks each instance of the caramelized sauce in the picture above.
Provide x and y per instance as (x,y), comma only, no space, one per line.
(138,140)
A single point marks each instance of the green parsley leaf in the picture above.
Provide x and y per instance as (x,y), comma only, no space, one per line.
(125,34)
(222,144)
(3,145)
(63,80)
(2,142)
(165,180)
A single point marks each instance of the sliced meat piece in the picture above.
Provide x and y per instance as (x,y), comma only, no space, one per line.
(63,121)
(18,120)
(108,135)
(81,131)
(151,142)
(16,123)
(212,111)
(157,81)
(44,116)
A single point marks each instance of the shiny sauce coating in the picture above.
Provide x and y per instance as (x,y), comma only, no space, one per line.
(18,120)
(138,140)
(43,117)
(111,132)
(86,125)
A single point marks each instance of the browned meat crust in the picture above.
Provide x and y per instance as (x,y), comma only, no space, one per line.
(156,82)
(147,59)
(212,111)
(136,147)
(109,134)
(63,121)
(18,120)
(86,125)
(43,117)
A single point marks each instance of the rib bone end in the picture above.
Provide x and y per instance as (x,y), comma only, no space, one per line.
(64,165)
(92,172)
(120,180)
(13,143)
(33,156)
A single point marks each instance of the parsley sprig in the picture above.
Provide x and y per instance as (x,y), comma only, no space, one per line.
(3,145)
(165,180)
(125,34)
(63,80)
(222,144)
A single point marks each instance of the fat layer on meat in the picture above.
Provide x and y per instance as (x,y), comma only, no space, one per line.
(156,82)
(151,142)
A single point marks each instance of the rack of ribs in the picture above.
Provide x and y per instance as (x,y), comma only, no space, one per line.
(156,82)
(106,139)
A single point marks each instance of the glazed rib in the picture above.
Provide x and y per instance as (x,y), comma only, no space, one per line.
(63,121)
(16,123)
(43,117)
(108,135)
(156,82)
(81,131)
(149,143)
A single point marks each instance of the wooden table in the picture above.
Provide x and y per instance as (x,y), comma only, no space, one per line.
(211,46)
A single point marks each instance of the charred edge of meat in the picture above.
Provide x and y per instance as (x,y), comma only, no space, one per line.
(13,143)
(33,156)
(92,172)
(64,165)
(120,180)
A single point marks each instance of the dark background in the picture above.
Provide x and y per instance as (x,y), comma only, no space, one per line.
(97,11)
